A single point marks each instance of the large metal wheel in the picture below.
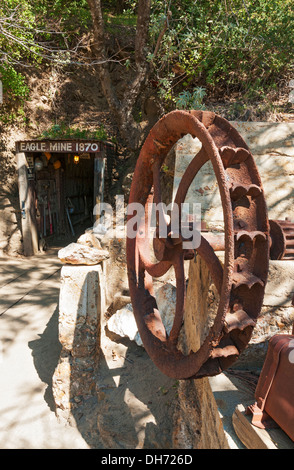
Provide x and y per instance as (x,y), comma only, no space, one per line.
(242,279)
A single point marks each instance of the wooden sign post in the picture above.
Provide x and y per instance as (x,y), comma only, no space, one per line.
(27,207)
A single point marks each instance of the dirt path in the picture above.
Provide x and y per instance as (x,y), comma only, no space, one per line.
(29,306)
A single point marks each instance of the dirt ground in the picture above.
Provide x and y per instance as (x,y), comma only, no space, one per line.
(28,354)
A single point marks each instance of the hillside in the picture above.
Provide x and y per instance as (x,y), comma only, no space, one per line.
(71,96)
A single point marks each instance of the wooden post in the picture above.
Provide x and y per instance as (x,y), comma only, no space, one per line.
(99,170)
(27,207)
(59,179)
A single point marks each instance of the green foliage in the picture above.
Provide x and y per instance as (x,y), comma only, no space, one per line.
(17,45)
(73,16)
(32,32)
(191,100)
(127,18)
(66,132)
(13,82)
(241,45)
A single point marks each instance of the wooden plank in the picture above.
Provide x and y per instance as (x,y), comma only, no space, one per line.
(255,438)
(23,197)
(59,146)
(99,170)
(27,206)
(31,203)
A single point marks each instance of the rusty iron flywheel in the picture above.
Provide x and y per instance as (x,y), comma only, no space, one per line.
(240,281)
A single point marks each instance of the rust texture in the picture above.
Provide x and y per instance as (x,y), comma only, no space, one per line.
(240,281)
(282,237)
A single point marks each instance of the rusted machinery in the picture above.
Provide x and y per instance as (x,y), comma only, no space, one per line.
(282,236)
(246,243)
(281,239)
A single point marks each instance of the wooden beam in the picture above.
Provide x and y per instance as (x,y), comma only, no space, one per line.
(255,438)
(99,170)
(27,207)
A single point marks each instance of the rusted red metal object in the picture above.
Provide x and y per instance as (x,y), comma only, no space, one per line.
(282,236)
(274,392)
(281,240)
(240,281)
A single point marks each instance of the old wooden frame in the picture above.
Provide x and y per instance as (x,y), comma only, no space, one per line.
(26,184)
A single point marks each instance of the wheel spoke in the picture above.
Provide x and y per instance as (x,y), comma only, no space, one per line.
(214,265)
(155,269)
(188,176)
(178,265)
(162,219)
(143,244)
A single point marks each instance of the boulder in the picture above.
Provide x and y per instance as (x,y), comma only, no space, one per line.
(90,240)
(76,253)
(123,322)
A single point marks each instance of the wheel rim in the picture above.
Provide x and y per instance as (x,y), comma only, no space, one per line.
(236,313)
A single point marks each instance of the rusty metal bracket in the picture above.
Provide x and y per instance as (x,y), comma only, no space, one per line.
(281,239)
(282,236)
(240,281)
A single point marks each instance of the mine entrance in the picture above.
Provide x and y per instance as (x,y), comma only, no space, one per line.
(60,183)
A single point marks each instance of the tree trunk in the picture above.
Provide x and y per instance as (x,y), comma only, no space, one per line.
(122,110)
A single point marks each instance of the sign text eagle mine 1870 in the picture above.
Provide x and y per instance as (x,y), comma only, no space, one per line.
(60,146)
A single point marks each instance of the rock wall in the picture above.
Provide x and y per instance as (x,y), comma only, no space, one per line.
(272,145)
(88,311)
(277,313)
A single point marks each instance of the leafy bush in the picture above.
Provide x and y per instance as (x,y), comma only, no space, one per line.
(14,84)
(244,46)
(191,100)
(32,32)
(16,44)
(66,132)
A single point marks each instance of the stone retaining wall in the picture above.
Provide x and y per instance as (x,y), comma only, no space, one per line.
(272,145)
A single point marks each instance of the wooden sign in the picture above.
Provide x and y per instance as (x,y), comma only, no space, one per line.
(58,146)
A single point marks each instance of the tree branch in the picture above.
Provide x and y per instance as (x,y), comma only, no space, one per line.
(122,110)
(141,40)
(161,34)
(104,75)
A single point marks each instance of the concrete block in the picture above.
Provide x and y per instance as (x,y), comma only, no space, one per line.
(280,285)
(265,137)
(272,146)
(277,176)
(81,304)
(81,307)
